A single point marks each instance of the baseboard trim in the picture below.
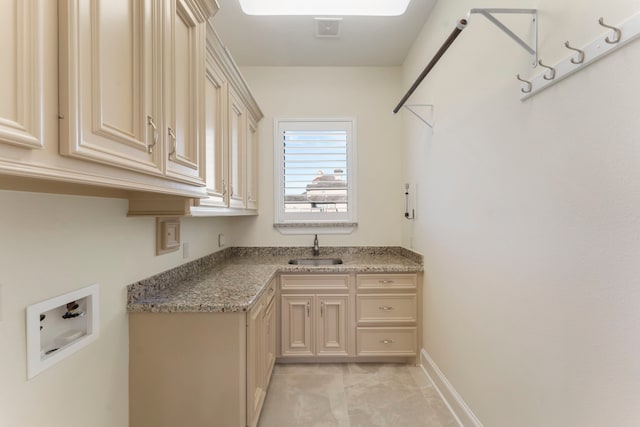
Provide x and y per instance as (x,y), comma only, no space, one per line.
(458,408)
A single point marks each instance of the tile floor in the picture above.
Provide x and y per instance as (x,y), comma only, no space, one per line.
(353,395)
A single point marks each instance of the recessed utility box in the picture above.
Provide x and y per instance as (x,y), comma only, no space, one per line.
(167,234)
(60,326)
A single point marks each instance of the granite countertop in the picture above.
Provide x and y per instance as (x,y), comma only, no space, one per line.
(232,280)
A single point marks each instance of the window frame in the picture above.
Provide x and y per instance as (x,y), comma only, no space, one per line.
(321,223)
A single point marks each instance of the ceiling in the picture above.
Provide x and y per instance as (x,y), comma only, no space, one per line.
(291,40)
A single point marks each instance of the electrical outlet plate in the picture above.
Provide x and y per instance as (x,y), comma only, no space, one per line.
(167,234)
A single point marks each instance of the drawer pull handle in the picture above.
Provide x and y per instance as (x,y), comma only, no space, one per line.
(386,341)
(385,281)
(385,307)
(270,290)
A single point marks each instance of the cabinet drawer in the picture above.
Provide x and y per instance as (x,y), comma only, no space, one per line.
(386,341)
(386,281)
(334,282)
(388,308)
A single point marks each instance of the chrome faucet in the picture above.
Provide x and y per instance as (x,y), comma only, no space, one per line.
(316,247)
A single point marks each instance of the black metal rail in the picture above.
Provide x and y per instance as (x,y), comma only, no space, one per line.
(455,33)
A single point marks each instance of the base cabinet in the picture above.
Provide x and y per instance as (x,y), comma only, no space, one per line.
(315,325)
(350,317)
(200,369)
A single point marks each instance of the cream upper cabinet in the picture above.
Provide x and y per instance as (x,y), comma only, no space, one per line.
(252,162)
(131,82)
(237,146)
(231,137)
(216,147)
(110,81)
(184,52)
(21,86)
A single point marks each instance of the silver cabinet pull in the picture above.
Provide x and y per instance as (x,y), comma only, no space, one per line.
(308,308)
(230,190)
(172,134)
(385,281)
(321,309)
(386,341)
(385,307)
(154,128)
(224,189)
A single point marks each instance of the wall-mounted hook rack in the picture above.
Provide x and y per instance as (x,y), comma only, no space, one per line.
(425,117)
(612,39)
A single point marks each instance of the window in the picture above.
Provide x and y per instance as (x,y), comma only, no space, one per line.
(315,171)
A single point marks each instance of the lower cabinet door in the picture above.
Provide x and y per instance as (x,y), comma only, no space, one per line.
(270,340)
(255,363)
(333,324)
(296,328)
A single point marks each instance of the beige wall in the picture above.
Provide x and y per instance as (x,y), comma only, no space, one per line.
(369,95)
(528,216)
(54,244)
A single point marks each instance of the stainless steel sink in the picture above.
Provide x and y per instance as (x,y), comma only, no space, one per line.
(315,261)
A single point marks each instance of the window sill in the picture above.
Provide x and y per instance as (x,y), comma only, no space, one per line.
(316,227)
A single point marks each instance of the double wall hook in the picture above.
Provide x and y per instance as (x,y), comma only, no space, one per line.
(617,32)
(529,84)
(551,75)
(580,59)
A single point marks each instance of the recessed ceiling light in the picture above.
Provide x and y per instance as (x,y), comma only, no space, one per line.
(325,7)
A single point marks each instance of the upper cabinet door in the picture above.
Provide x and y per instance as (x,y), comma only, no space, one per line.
(216,151)
(185,35)
(252,163)
(110,53)
(21,74)
(237,158)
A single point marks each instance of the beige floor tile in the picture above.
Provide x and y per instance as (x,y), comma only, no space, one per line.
(353,395)
(305,400)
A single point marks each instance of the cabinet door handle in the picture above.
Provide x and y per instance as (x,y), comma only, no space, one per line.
(154,128)
(385,307)
(321,309)
(308,308)
(224,189)
(172,134)
(386,341)
(230,190)
(385,281)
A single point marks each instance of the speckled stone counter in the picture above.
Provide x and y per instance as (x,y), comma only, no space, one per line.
(233,279)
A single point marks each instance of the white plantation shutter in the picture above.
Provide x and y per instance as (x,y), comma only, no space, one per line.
(314,167)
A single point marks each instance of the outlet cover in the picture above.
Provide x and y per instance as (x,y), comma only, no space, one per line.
(167,234)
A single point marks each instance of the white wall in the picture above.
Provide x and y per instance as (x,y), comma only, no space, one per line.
(529,219)
(366,93)
(54,244)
